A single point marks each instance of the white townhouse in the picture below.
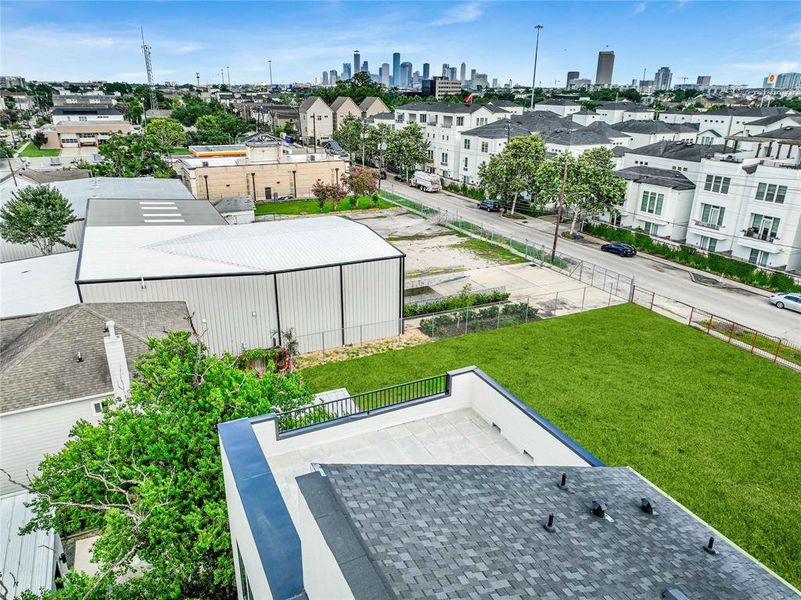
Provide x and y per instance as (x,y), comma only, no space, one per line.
(731,121)
(748,202)
(682,156)
(443,124)
(687,117)
(585,117)
(645,132)
(87,114)
(561,106)
(618,112)
(658,201)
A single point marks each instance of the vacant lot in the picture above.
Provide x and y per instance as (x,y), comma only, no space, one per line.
(714,426)
(311,207)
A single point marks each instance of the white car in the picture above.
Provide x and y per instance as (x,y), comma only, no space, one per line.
(788,301)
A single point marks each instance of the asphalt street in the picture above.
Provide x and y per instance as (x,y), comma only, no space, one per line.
(725,298)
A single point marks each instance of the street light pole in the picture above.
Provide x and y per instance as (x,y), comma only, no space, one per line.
(559,211)
(534,76)
(270,63)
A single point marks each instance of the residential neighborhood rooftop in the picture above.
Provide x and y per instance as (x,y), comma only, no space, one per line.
(478,531)
(654,176)
(678,150)
(449,107)
(39,284)
(60,355)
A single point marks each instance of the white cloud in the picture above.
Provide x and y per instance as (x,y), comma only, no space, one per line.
(639,8)
(462,13)
(189,48)
(777,67)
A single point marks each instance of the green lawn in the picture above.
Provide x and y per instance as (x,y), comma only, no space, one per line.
(31,151)
(714,426)
(296,207)
(179,150)
(490,251)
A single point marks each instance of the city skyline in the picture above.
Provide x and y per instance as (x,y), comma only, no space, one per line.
(81,45)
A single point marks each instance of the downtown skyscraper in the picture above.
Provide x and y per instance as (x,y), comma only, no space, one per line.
(395,79)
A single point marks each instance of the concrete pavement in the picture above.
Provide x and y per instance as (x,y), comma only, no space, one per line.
(728,299)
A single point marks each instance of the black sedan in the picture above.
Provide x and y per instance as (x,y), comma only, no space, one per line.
(489,205)
(620,249)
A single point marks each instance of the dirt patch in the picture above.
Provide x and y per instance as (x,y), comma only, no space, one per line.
(412,337)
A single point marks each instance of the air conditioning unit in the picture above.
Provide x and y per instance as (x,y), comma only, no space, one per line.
(312,157)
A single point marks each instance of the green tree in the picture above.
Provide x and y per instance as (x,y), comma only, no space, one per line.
(148,477)
(512,172)
(133,155)
(37,215)
(591,186)
(377,136)
(168,131)
(360,181)
(349,134)
(39,139)
(407,148)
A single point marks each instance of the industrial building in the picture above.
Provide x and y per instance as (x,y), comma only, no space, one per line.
(329,280)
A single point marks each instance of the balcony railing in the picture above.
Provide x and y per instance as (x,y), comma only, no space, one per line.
(765,236)
(714,226)
(362,404)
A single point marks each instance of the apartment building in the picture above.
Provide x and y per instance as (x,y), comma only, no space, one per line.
(748,201)
(618,112)
(734,120)
(439,87)
(443,125)
(78,126)
(316,120)
(266,171)
(645,132)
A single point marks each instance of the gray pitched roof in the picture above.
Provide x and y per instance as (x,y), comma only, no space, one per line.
(644,126)
(654,176)
(234,204)
(308,102)
(499,130)
(39,359)
(553,128)
(605,129)
(558,102)
(42,177)
(775,119)
(749,111)
(628,106)
(384,116)
(678,150)
(337,104)
(576,137)
(369,101)
(470,531)
(784,133)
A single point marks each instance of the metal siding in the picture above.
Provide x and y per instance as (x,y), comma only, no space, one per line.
(372,300)
(226,303)
(9,251)
(309,303)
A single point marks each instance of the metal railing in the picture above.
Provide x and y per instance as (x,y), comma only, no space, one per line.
(362,404)
(773,348)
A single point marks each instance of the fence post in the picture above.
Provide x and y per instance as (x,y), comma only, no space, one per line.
(583,294)
(609,303)
(731,331)
(528,300)
(754,341)
(581,270)
(322,339)
(361,335)
(692,312)
(498,322)
(466,318)
(778,347)
(709,325)
(555,302)
(632,290)
(653,295)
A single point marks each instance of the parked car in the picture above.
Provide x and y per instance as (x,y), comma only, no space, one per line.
(334,148)
(489,205)
(428,182)
(620,249)
(788,301)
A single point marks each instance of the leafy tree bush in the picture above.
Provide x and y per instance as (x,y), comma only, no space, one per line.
(148,477)
(464,299)
(39,139)
(168,131)
(328,191)
(37,215)
(361,181)
(132,155)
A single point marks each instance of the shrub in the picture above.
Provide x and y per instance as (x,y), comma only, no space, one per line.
(464,299)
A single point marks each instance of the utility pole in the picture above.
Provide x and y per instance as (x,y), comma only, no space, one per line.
(229,75)
(534,76)
(314,132)
(270,63)
(222,77)
(197,76)
(559,211)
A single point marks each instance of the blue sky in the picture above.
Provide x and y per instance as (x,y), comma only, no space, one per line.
(734,42)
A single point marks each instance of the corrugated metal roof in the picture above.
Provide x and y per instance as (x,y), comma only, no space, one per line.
(26,562)
(119,253)
(78,191)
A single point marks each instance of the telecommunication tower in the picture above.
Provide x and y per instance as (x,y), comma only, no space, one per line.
(146,51)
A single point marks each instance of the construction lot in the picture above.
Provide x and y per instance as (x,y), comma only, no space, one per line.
(441,262)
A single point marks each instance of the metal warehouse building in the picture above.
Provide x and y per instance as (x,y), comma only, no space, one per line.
(331,280)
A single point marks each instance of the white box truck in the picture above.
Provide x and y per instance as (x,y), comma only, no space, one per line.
(428,182)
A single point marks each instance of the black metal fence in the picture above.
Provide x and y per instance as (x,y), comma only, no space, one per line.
(364,403)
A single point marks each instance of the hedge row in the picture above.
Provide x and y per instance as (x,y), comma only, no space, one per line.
(462,300)
(464,190)
(687,255)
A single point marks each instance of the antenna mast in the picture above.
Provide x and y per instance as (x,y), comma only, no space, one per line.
(146,51)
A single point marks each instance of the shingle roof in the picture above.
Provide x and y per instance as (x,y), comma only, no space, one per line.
(576,137)
(775,119)
(687,151)
(749,111)
(785,133)
(388,116)
(499,130)
(39,364)
(41,177)
(628,106)
(369,101)
(308,102)
(605,129)
(646,126)
(558,102)
(468,531)
(654,176)
(340,101)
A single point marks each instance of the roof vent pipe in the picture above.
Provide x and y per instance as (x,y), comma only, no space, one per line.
(599,507)
(647,506)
